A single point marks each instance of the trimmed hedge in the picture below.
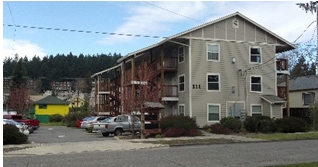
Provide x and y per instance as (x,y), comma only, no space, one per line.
(232,123)
(291,125)
(178,125)
(178,121)
(260,124)
(219,129)
(56,118)
(12,135)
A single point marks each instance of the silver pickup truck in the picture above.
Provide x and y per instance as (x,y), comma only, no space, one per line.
(117,125)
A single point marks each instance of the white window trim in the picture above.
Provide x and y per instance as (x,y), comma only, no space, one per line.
(182,75)
(249,56)
(261,83)
(256,105)
(179,54)
(183,105)
(206,82)
(207,112)
(207,55)
(228,103)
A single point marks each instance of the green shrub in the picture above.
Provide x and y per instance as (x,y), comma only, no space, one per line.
(252,124)
(232,123)
(178,121)
(71,118)
(56,118)
(219,129)
(314,115)
(291,125)
(174,132)
(267,126)
(12,135)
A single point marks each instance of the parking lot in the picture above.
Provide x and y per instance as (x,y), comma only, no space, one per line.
(60,134)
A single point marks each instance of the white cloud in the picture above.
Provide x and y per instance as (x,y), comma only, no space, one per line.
(147,19)
(22,48)
(285,19)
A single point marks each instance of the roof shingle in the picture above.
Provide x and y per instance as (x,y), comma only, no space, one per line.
(51,100)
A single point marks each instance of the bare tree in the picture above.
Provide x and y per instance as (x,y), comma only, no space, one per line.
(146,90)
(19,100)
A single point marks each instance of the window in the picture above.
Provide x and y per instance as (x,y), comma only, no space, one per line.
(181,83)
(256,110)
(213,82)
(308,98)
(256,84)
(181,54)
(42,106)
(213,112)
(255,55)
(181,109)
(213,52)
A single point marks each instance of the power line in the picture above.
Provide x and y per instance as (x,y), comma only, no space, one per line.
(304,31)
(15,30)
(81,31)
(173,12)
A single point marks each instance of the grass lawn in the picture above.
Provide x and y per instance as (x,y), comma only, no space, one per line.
(312,164)
(285,136)
(53,124)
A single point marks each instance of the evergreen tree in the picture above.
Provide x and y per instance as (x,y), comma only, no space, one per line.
(19,75)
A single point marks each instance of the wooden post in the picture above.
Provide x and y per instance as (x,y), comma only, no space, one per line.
(287,91)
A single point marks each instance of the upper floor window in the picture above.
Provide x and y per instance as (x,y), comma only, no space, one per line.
(257,110)
(181,109)
(42,106)
(255,55)
(308,98)
(256,84)
(214,112)
(213,82)
(213,52)
(181,54)
(181,83)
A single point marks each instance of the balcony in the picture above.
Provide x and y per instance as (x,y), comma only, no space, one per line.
(170,93)
(282,66)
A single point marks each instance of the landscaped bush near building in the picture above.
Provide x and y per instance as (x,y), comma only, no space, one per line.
(260,124)
(12,135)
(56,118)
(219,129)
(291,125)
(71,118)
(178,125)
(232,123)
(314,115)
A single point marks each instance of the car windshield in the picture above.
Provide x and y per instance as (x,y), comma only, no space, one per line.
(105,120)
(86,118)
(90,118)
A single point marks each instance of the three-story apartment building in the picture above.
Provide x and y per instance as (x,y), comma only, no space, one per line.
(222,68)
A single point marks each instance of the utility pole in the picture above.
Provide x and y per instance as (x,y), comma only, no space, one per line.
(313,8)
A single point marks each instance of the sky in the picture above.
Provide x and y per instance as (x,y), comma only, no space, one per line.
(146,18)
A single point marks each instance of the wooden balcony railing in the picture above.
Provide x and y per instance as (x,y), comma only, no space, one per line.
(281,64)
(282,92)
(170,91)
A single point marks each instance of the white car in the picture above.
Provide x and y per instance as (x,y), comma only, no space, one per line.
(23,128)
(88,123)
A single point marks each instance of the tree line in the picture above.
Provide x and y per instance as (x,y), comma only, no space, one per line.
(61,65)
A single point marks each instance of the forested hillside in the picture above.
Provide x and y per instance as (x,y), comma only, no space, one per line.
(62,66)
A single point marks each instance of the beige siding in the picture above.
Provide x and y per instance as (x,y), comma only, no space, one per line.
(249,32)
(266,108)
(197,33)
(296,98)
(220,30)
(208,32)
(277,111)
(260,35)
(183,68)
(230,76)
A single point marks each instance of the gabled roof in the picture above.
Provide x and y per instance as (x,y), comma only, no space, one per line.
(303,83)
(273,99)
(51,100)
(202,26)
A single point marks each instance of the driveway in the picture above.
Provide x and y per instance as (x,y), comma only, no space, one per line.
(60,134)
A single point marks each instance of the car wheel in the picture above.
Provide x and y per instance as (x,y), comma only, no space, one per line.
(118,132)
(105,134)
